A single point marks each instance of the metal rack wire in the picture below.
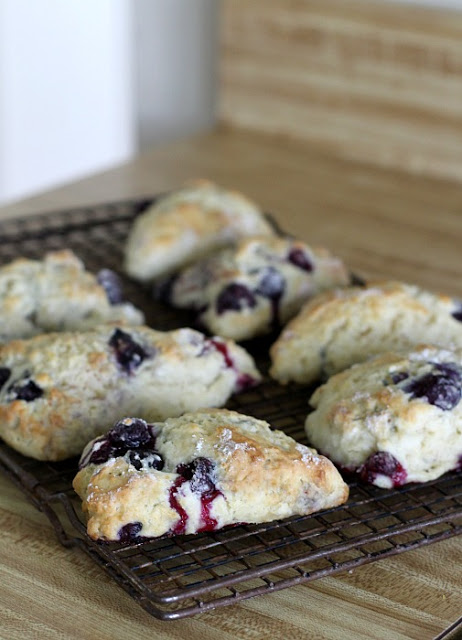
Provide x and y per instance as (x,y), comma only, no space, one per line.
(184,575)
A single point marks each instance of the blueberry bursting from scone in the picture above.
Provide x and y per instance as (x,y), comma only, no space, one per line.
(199,472)
(254,287)
(394,419)
(57,389)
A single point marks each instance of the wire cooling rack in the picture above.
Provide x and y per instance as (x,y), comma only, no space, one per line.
(184,575)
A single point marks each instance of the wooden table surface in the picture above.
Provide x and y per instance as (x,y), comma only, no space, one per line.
(383,223)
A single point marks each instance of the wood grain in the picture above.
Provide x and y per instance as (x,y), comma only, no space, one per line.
(369,80)
(384,223)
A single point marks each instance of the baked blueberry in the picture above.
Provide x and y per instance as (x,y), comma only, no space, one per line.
(4,375)
(200,472)
(442,389)
(399,376)
(132,437)
(110,282)
(299,258)
(129,354)
(384,464)
(25,390)
(130,531)
(130,434)
(272,283)
(235,297)
(146,459)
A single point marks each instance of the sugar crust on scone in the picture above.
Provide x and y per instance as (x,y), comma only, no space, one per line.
(396,418)
(187,224)
(58,390)
(256,286)
(343,326)
(58,294)
(213,468)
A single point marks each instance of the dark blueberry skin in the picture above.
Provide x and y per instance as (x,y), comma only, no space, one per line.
(162,289)
(457,314)
(136,459)
(234,297)
(110,282)
(27,391)
(272,283)
(129,353)
(200,472)
(4,375)
(136,439)
(130,436)
(441,389)
(299,258)
(399,376)
(383,463)
(130,531)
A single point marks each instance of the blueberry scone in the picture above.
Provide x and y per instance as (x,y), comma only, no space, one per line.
(340,327)
(58,294)
(56,390)
(199,472)
(394,419)
(185,225)
(256,286)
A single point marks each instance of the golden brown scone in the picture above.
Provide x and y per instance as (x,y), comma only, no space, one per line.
(57,294)
(257,286)
(59,390)
(185,225)
(199,472)
(343,326)
(394,419)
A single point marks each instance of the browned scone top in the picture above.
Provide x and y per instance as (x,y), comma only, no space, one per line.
(201,471)
(57,391)
(185,225)
(343,326)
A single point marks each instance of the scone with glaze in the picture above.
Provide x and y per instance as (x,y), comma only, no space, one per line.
(394,419)
(343,326)
(59,390)
(187,224)
(256,286)
(199,472)
(58,294)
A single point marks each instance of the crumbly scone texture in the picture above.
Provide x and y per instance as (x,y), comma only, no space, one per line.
(343,326)
(256,286)
(57,391)
(396,418)
(187,224)
(200,472)
(58,294)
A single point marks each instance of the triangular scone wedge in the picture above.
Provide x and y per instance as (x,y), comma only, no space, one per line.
(394,419)
(57,293)
(57,391)
(341,327)
(255,287)
(199,472)
(187,224)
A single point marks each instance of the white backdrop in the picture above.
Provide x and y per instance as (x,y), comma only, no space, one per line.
(85,84)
